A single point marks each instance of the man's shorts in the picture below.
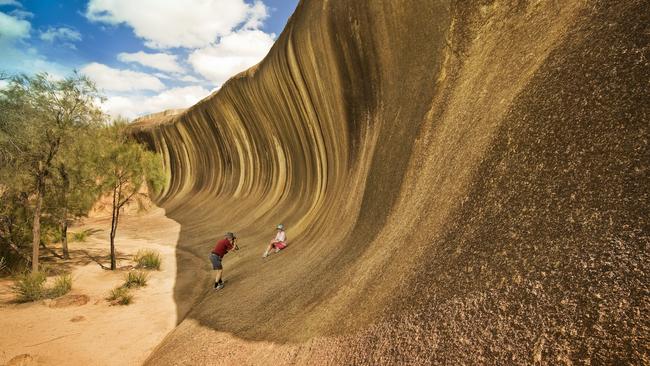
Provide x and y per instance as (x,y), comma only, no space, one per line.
(279,245)
(216,261)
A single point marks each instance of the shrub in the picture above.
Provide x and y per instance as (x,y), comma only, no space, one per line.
(62,285)
(136,279)
(51,234)
(81,236)
(30,286)
(120,296)
(149,259)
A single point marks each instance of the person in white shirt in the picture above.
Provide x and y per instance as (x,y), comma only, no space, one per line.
(278,243)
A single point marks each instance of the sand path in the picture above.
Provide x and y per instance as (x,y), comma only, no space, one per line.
(96,333)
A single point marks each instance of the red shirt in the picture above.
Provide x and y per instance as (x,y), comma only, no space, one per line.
(222,247)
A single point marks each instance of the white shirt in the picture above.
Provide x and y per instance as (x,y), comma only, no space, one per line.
(281,236)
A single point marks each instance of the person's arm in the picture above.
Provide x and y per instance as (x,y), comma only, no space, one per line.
(234,244)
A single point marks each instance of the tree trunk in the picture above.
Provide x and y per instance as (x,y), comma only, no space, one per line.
(36,228)
(64,221)
(114,217)
(113,264)
(64,236)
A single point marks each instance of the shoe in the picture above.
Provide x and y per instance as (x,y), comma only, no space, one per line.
(266,254)
(219,286)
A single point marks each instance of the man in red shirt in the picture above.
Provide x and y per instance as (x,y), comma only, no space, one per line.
(223,246)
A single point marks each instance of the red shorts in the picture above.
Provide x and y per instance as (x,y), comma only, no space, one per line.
(279,245)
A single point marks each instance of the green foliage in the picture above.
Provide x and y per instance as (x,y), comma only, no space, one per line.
(131,172)
(15,225)
(30,286)
(40,113)
(81,236)
(42,124)
(129,166)
(50,232)
(62,285)
(63,154)
(147,258)
(75,178)
(135,279)
(120,296)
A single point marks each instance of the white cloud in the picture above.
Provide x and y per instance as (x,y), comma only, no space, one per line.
(29,61)
(185,78)
(111,79)
(160,61)
(258,13)
(21,14)
(10,2)
(16,56)
(12,28)
(160,75)
(135,106)
(188,23)
(61,33)
(189,79)
(233,54)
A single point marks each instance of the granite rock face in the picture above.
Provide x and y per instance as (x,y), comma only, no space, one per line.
(462,183)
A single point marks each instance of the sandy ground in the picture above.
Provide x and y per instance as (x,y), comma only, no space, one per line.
(96,333)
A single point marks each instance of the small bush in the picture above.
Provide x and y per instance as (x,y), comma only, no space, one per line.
(81,236)
(149,259)
(135,279)
(50,234)
(30,286)
(62,285)
(120,296)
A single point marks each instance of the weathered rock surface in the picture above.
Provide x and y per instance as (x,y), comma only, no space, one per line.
(462,182)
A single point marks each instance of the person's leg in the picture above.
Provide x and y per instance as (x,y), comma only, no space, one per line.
(218,268)
(217,278)
(268,250)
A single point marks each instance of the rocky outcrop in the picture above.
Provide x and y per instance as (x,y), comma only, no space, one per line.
(462,182)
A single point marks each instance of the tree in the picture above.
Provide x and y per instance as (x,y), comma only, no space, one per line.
(38,117)
(75,185)
(131,172)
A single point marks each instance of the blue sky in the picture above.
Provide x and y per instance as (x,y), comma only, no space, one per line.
(145,55)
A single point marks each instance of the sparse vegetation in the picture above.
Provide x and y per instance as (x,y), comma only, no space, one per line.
(147,258)
(81,236)
(62,285)
(136,279)
(120,296)
(3,264)
(30,286)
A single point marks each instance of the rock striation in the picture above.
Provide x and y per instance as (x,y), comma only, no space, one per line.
(463,182)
